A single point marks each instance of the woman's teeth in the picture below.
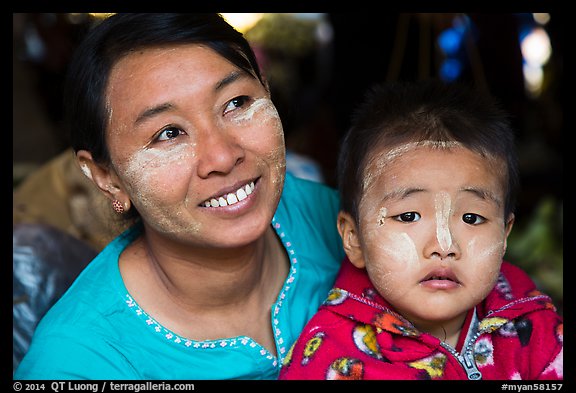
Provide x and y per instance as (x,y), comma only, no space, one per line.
(232,198)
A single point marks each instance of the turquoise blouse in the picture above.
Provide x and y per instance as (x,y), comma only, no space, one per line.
(97,331)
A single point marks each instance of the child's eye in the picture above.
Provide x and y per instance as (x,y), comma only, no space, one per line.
(169,133)
(473,219)
(236,103)
(407,217)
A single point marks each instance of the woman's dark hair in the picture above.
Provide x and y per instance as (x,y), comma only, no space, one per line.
(396,113)
(117,36)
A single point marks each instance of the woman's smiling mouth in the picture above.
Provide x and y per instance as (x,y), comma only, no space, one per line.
(231,198)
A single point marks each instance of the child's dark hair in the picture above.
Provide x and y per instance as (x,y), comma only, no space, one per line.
(396,113)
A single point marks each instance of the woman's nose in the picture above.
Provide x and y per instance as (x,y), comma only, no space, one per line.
(218,152)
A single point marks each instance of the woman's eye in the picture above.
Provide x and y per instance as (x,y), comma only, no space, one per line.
(408,217)
(169,133)
(236,103)
(473,219)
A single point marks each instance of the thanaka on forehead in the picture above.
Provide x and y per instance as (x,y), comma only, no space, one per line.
(405,147)
(404,192)
(377,162)
(400,149)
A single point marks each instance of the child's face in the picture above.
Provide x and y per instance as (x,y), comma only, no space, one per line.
(431,229)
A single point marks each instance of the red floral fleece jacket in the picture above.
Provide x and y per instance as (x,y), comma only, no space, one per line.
(515,333)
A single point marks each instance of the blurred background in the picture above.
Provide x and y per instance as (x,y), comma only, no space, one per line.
(319,65)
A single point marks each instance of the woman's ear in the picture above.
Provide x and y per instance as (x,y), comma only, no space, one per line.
(350,240)
(105,178)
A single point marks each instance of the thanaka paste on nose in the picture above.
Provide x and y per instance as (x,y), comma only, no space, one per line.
(442,205)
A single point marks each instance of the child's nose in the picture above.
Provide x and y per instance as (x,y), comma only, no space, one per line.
(442,243)
(437,249)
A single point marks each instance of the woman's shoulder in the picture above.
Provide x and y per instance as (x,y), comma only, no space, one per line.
(306,221)
(309,197)
(73,352)
(309,209)
(294,185)
(95,293)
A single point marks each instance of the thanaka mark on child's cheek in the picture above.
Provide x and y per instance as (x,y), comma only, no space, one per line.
(396,254)
(478,253)
(399,248)
(402,249)
(485,254)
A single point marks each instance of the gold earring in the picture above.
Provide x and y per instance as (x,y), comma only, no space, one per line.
(118,206)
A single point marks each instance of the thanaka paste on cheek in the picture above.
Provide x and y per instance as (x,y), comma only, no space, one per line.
(401,249)
(398,254)
(145,173)
(265,112)
(260,106)
(397,245)
(480,253)
(392,251)
(148,164)
(278,169)
(487,255)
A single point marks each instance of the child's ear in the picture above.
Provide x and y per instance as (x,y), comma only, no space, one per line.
(350,240)
(508,229)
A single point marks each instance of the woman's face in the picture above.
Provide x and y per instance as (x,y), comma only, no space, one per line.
(196,143)
(432,229)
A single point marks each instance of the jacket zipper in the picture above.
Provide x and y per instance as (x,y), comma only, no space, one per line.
(466,359)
